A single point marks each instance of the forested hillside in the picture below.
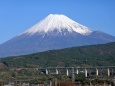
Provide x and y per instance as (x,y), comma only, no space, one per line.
(93,55)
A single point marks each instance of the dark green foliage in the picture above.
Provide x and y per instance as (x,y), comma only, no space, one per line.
(93,55)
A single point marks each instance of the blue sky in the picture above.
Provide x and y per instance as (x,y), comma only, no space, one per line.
(17,16)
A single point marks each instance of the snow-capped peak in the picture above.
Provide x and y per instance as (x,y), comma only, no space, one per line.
(58,22)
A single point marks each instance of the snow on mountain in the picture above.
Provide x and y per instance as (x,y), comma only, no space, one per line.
(60,23)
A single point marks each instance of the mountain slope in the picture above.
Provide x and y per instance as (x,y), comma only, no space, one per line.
(53,32)
(93,55)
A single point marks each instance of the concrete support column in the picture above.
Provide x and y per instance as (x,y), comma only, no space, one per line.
(47,72)
(97,72)
(108,72)
(85,72)
(57,71)
(67,72)
(77,71)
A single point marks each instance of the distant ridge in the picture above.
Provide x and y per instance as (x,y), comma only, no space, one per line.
(53,32)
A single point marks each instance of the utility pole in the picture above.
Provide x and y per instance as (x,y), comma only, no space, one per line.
(73,77)
(55,81)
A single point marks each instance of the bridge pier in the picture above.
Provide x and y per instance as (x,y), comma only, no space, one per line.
(77,72)
(85,72)
(47,72)
(67,72)
(108,72)
(57,71)
(97,72)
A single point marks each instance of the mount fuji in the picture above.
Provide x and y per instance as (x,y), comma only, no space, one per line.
(53,32)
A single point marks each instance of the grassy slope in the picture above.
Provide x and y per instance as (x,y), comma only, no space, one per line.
(94,55)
